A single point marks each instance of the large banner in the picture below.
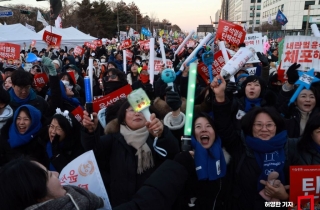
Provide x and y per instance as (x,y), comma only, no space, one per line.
(304,50)
(84,172)
(9,51)
(304,185)
(254,41)
(232,33)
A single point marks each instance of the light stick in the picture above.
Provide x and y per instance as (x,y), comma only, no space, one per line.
(140,102)
(186,139)
(124,57)
(195,51)
(91,74)
(184,42)
(88,89)
(151,61)
(168,76)
(163,54)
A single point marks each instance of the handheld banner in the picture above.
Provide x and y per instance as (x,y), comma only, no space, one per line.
(51,38)
(9,51)
(97,43)
(78,51)
(254,41)
(40,80)
(78,113)
(230,32)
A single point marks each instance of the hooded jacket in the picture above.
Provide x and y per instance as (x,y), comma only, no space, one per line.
(6,114)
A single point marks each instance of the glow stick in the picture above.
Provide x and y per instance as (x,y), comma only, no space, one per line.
(195,51)
(186,139)
(223,49)
(124,57)
(140,102)
(168,76)
(151,61)
(315,30)
(91,74)
(184,42)
(88,90)
(163,54)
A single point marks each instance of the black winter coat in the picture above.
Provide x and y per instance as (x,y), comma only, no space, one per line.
(118,163)
(306,155)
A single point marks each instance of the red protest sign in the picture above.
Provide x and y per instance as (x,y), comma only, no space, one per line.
(87,44)
(97,43)
(9,51)
(71,73)
(304,181)
(191,43)
(51,38)
(78,113)
(180,40)
(230,32)
(78,51)
(126,43)
(217,65)
(144,45)
(33,43)
(109,99)
(40,80)
(158,65)
(129,55)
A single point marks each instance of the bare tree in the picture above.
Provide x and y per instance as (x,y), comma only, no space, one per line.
(153,17)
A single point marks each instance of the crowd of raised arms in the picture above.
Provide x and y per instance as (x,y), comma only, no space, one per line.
(244,134)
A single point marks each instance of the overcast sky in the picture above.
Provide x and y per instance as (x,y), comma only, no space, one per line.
(187,14)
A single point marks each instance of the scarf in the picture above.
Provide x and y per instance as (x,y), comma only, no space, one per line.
(20,101)
(210,163)
(49,152)
(15,138)
(137,139)
(75,198)
(270,155)
(249,103)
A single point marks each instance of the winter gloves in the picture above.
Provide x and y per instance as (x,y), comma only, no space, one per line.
(292,73)
(47,62)
(173,99)
(263,59)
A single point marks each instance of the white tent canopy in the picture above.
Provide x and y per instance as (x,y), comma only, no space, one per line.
(71,36)
(19,34)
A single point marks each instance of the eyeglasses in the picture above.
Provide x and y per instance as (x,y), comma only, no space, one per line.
(24,88)
(56,128)
(259,126)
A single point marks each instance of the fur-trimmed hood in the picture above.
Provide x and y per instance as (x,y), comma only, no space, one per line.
(162,108)
(112,127)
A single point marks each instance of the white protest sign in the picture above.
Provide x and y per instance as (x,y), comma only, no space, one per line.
(252,70)
(158,63)
(304,50)
(122,36)
(254,41)
(84,172)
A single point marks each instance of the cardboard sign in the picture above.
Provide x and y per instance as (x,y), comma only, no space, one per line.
(97,43)
(109,99)
(158,65)
(129,55)
(217,65)
(304,50)
(304,181)
(40,80)
(230,32)
(33,43)
(254,41)
(84,172)
(144,45)
(9,51)
(78,113)
(126,43)
(51,38)
(78,51)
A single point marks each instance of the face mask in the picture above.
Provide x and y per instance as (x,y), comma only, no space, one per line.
(103,60)
(144,78)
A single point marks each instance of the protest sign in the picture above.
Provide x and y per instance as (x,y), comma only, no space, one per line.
(122,36)
(84,172)
(144,45)
(9,51)
(109,99)
(40,80)
(230,32)
(304,181)
(51,39)
(97,43)
(78,51)
(33,43)
(129,55)
(254,41)
(304,50)
(78,113)
(158,63)
(126,43)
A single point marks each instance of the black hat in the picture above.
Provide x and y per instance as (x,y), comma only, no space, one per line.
(9,67)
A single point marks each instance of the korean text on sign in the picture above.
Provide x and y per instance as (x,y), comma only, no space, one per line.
(230,32)
(9,51)
(304,50)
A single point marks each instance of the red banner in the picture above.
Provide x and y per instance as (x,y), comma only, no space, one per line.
(97,43)
(78,113)
(109,99)
(71,73)
(126,43)
(304,181)
(129,55)
(230,32)
(9,51)
(40,79)
(78,51)
(51,39)
(144,45)
(33,43)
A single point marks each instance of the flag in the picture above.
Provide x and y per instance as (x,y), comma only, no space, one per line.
(154,33)
(58,22)
(176,34)
(161,32)
(30,27)
(281,18)
(145,31)
(41,19)
(269,20)
(131,32)
(170,33)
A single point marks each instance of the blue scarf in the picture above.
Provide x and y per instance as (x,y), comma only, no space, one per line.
(20,101)
(249,103)
(315,145)
(270,155)
(210,163)
(15,138)
(49,152)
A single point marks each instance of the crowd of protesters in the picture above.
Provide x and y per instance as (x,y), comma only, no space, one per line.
(244,134)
